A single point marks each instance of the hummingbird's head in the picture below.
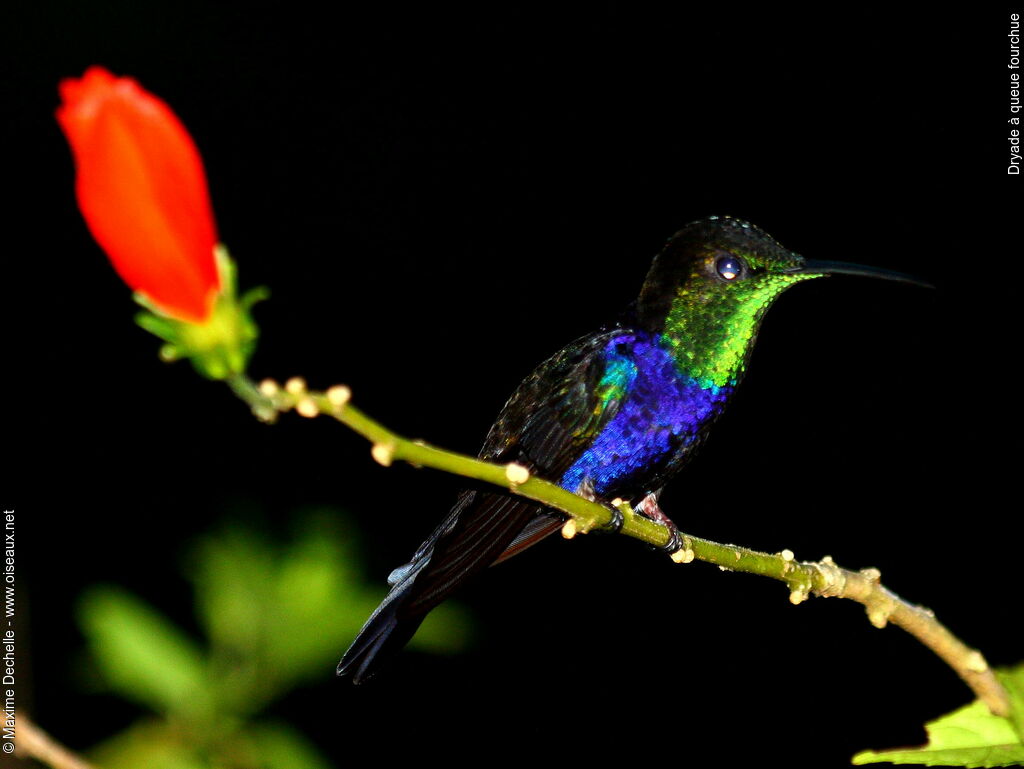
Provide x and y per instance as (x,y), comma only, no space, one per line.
(708,289)
(719,265)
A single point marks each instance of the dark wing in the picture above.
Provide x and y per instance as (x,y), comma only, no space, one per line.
(560,408)
(552,417)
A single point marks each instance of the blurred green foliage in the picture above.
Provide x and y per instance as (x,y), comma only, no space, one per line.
(274,616)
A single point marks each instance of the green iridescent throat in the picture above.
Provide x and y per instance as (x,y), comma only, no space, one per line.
(711,330)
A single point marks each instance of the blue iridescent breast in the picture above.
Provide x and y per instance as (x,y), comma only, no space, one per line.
(661,412)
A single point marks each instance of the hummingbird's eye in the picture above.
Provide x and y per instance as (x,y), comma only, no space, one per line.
(729,267)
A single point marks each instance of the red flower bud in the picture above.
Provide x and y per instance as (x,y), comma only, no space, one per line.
(142,190)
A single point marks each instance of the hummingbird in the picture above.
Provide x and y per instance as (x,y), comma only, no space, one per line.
(615,414)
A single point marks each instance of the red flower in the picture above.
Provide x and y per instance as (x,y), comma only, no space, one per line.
(142,190)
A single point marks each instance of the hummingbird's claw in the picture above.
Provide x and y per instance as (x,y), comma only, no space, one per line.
(649,508)
(675,542)
(614,526)
(586,490)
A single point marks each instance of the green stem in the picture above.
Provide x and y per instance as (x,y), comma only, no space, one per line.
(804,578)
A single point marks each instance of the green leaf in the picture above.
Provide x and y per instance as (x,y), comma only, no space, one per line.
(320,603)
(970,736)
(142,655)
(278,616)
(147,744)
(1013,681)
(278,746)
(233,574)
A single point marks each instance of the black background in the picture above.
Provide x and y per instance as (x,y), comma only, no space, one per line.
(440,199)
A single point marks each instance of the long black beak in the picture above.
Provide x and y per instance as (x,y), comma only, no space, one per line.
(844,268)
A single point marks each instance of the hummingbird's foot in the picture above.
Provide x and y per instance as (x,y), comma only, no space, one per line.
(586,490)
(648,507)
